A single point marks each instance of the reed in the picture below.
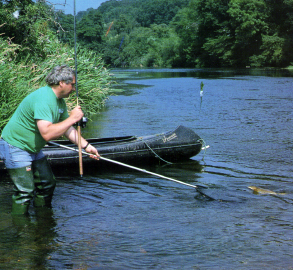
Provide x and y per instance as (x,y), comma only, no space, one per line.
(19,78)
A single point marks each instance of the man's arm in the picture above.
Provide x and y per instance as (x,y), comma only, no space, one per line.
(50,131)
(72,135)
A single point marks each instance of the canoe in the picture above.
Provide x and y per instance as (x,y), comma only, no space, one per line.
(172,146)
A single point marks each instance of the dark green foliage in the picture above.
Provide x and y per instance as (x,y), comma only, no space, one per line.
(159,11)
(148,39)
(65,28)
(236,33)
(166,33)
(90,29)
(198,33)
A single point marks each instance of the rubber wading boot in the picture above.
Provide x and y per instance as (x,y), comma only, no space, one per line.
(24,187)
(44,182)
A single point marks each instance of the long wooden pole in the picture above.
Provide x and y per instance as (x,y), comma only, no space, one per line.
(76,89)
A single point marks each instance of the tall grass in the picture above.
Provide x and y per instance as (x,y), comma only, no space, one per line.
(19,78)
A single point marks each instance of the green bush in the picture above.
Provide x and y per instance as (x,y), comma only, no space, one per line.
(19,78)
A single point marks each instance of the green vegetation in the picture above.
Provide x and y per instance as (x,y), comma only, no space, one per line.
(188,33)
(133,33)
(29,49)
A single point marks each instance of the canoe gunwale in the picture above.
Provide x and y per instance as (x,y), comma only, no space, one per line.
(75,154)
(180,144)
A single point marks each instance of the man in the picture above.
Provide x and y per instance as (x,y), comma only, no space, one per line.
(42,116)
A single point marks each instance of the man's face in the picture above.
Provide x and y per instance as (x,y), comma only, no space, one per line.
(67,88)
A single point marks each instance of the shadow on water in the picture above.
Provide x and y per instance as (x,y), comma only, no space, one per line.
(27,241)
(138,74)
(126,79)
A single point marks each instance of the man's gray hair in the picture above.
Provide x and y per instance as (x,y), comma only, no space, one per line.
(60,73)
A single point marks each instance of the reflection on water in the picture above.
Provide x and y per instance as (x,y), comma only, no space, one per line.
(27,242)
(123,219)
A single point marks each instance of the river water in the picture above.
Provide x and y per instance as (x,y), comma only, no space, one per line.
(129,220)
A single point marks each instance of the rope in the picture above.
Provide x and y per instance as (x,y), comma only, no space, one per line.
(155,152)
(203,143)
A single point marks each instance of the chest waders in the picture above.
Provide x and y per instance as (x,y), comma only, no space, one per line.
(32,183)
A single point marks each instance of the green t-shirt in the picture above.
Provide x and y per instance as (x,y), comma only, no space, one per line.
(22,130)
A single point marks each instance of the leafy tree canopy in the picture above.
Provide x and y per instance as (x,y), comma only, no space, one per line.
(167,33)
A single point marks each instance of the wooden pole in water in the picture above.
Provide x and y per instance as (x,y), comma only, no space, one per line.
(76,89)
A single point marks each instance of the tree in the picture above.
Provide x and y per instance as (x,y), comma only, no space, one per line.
(159,11)
(90,30)
(123,24)
(248,23)
(186,26)
(188,33)
(64,27)
(197,24)
(29,27)
(276,48)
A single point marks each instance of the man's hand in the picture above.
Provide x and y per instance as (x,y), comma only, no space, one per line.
(76,114)
(92,150)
